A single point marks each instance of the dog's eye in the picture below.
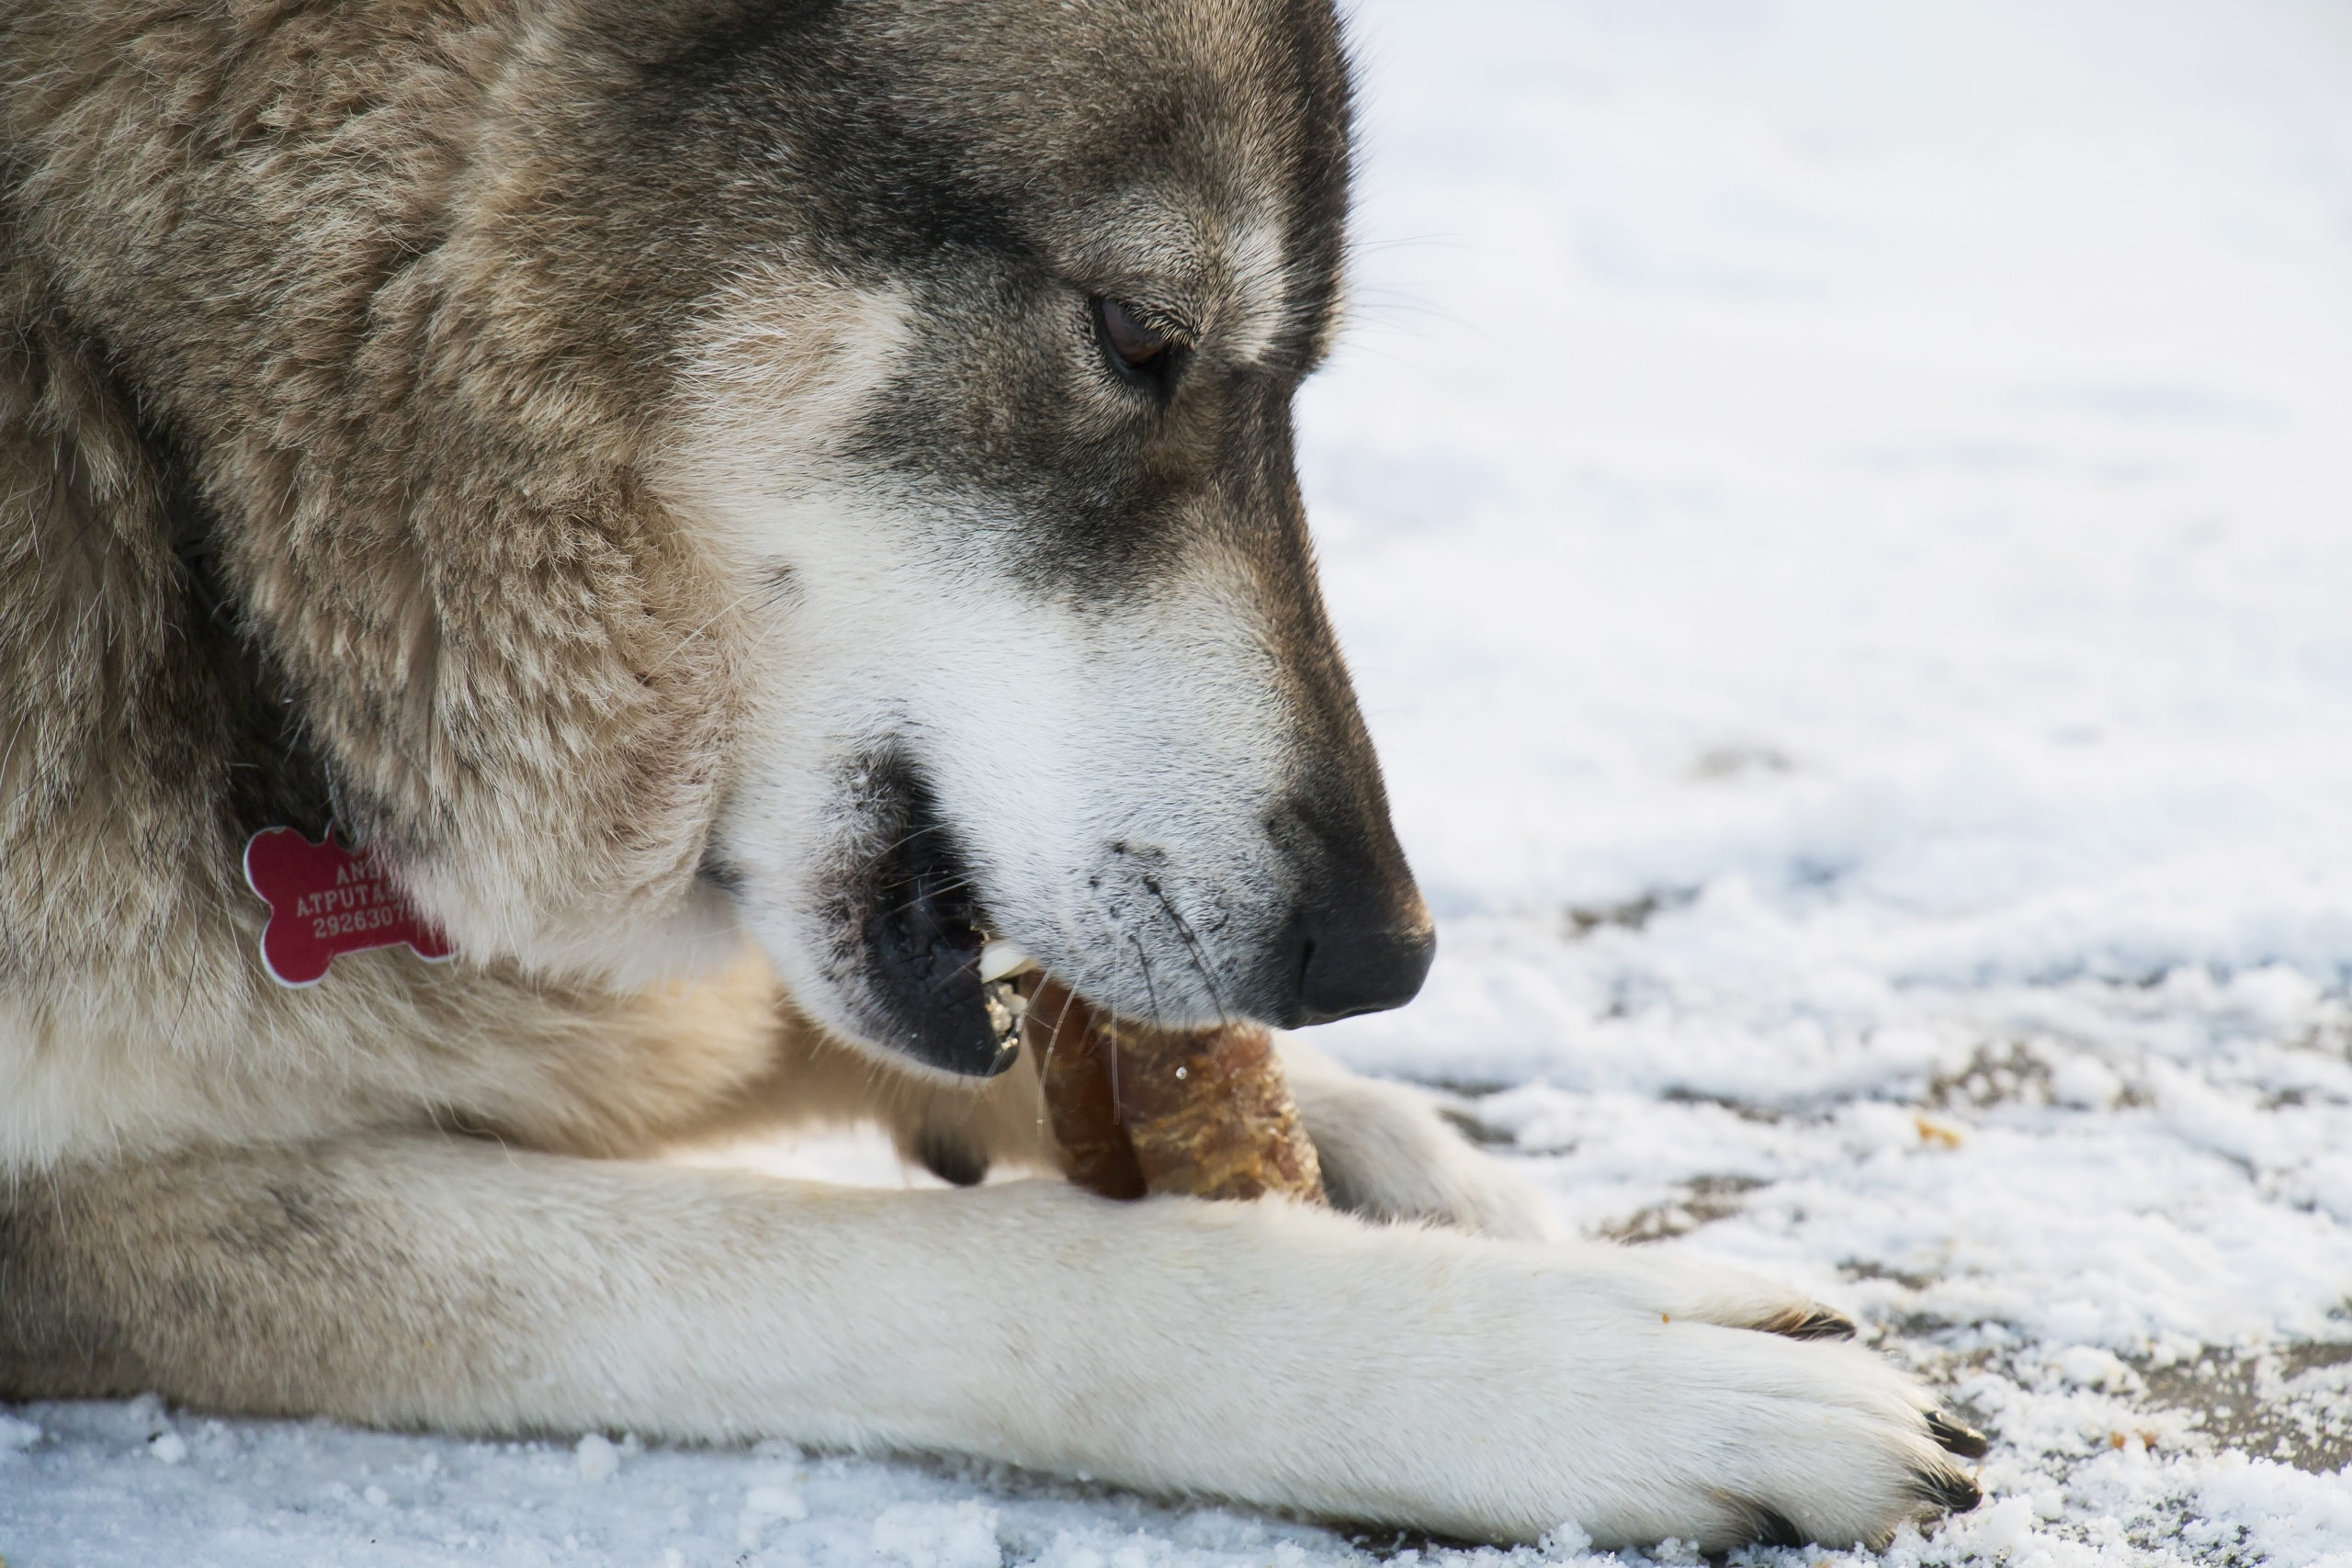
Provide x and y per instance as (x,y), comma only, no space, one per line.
(1140,348)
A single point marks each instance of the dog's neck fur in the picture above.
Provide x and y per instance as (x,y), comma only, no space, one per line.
(270,772)
(142,736)
(379,584)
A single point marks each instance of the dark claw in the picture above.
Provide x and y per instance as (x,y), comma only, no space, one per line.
(1947,1489)
(1809,1323)
(1770,1526)
(1964,1441)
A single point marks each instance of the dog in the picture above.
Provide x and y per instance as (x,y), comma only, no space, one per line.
(725,509)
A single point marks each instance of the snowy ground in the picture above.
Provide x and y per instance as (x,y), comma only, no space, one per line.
(1840,512)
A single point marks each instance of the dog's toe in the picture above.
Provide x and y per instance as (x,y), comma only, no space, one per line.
(1811,1321)
(1945,1487)
(1956,1437)
(1770,1526)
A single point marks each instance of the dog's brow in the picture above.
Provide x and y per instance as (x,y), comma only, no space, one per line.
(1260,288)
(1229,276)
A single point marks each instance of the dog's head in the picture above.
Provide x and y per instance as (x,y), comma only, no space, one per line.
(878,528)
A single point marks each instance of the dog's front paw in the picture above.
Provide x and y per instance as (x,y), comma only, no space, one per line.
(1388,1153)
(1787,1442)
(1661,1426)
(1498,1391)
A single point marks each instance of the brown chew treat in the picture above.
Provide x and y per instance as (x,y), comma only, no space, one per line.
(1073,1063)
(1203,1113)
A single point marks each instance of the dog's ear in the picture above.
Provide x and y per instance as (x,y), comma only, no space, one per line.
(514,660)
(410,341)
(518,665)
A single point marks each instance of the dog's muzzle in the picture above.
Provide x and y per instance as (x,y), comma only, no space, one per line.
(913,928)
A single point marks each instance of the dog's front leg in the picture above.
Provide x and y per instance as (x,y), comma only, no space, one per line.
(1275,1355)
(1388,1153)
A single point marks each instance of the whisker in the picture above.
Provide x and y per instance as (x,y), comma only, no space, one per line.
(1191,949)
(695,635)
(909,904)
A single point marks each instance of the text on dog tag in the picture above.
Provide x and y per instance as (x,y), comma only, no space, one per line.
(325,899)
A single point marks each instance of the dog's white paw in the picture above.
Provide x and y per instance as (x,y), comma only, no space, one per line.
(1739,1436)
(1389,1154)
(1498,1391)
(1642,1396)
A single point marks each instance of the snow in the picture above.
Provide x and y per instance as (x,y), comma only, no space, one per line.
(597,1457)
(1837,511)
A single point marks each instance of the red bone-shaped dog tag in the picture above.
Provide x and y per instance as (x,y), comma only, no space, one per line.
(324,899)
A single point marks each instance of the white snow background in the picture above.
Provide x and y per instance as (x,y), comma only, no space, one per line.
(1839,513)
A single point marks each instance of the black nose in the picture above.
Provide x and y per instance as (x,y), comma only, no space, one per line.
(1346,959)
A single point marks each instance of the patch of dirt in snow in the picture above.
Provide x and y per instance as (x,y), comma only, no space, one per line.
(2290,1403)
(1698,1201)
